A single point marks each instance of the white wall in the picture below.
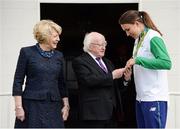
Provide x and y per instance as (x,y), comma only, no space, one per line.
(0,51)
(166,14)
(0,39)
(17,18)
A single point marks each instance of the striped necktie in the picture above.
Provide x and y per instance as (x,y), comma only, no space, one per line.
(101,65)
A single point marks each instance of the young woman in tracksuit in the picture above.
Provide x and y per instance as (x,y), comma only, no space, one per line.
(150,64)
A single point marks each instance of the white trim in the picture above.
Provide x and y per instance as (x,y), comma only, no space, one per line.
(5,94)
(174,93)
(140,5)
(88,1)
(81,1)
(38,9)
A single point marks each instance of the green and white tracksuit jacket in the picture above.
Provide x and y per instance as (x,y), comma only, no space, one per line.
(150,69)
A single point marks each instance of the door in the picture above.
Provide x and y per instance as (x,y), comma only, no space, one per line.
(78,19)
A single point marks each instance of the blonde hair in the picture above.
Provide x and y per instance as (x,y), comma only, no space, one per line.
(43,29)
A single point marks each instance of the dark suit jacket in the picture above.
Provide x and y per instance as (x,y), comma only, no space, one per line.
(96,88)
(44,76)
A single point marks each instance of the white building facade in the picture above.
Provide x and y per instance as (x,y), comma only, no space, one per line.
(17,18)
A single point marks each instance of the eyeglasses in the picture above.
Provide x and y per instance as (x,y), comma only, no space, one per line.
(100,45)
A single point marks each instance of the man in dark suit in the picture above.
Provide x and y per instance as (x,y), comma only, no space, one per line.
(97,90)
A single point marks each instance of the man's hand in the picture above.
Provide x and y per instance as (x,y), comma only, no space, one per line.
(118,73)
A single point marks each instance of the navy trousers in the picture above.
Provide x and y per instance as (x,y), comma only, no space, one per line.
(151,114)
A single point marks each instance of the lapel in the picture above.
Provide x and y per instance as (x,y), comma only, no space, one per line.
(87,58)
(108,64)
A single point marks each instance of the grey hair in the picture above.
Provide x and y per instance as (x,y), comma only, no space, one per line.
(87,42)
(90,38)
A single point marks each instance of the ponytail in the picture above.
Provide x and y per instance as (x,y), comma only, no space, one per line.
(129,17)
(148,22)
